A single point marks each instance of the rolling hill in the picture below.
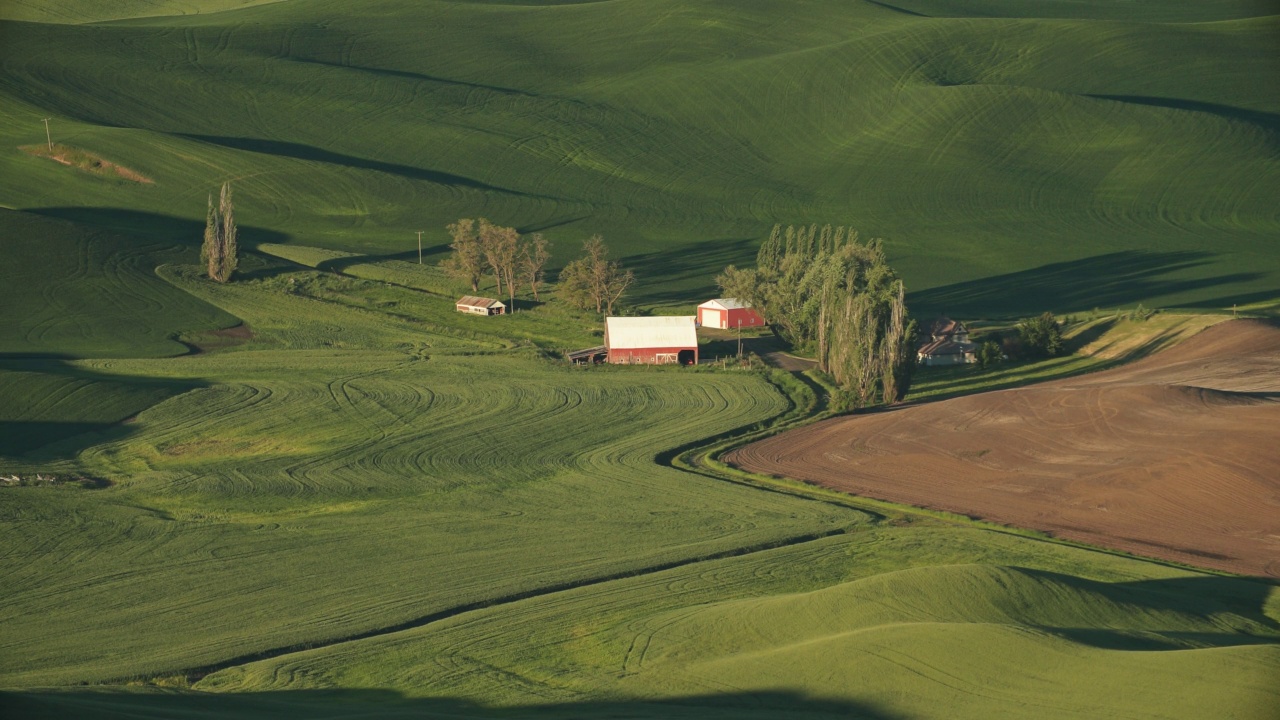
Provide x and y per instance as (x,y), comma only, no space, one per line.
(1037,152)
(321,492)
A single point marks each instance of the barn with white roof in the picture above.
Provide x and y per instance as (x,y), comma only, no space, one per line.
(659,340)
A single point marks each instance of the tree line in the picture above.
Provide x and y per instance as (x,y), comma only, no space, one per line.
(482,249)
(824,290)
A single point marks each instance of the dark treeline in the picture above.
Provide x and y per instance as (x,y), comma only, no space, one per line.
(823,290)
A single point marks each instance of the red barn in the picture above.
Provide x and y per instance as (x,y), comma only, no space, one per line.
(652,340)
(728,313)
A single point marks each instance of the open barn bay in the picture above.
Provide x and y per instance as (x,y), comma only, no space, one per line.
(319,491)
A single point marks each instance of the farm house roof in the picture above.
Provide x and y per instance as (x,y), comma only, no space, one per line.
(725,304)
(945,346)
(673,331)
(480,302)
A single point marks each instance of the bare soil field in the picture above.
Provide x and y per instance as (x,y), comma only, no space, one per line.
(1176,456)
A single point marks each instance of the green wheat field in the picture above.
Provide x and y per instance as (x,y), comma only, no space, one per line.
(329,495)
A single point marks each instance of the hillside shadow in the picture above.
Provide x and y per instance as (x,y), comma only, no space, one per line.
(1206,596)
(1269,122)
(1226,302)
(112,704)
(48,440)
(691,269)
(1112,280)
(298,151)
(182,231)
(421,77)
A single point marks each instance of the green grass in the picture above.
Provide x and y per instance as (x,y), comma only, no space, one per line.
(377,506)
(967,621)
(1016,156)
(496,528)
(76,291)
(361,472)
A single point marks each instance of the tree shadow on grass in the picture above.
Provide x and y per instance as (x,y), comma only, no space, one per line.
(1111,280)
(110,703)
(688,272)
(340,264)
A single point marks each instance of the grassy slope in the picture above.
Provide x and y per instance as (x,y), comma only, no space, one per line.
(85,11)
(350,470)
(886,622)
(1063,156)
(371,457)
(71,290)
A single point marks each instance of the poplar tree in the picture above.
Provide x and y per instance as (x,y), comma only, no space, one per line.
(826,291)
(220,251)
(230,234)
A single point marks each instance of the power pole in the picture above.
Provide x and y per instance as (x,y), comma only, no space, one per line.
(419,247)
(739,339)
(47,136)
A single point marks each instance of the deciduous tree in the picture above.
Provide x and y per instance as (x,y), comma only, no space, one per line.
(535,252)
(467,262)
(594,279)
(1041,336)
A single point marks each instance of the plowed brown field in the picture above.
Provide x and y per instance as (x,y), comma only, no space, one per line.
(1176,456)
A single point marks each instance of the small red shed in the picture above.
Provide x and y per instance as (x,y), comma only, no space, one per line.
(652,340)
(727,314)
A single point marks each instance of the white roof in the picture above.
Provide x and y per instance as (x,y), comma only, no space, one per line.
(667,331)
(725,304)
(480,302)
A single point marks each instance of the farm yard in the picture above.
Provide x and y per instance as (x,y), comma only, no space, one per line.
(320,490)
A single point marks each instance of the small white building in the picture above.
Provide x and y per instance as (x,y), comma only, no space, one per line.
(473,305)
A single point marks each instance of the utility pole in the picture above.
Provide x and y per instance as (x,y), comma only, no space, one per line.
(47,136)
(739,339)
(419,247)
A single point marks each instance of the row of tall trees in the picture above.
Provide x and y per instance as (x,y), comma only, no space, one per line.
(825,290)
(219,252)
(480,248)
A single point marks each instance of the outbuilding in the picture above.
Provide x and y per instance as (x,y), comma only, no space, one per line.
(473,305)
(728,314)
(662,340)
